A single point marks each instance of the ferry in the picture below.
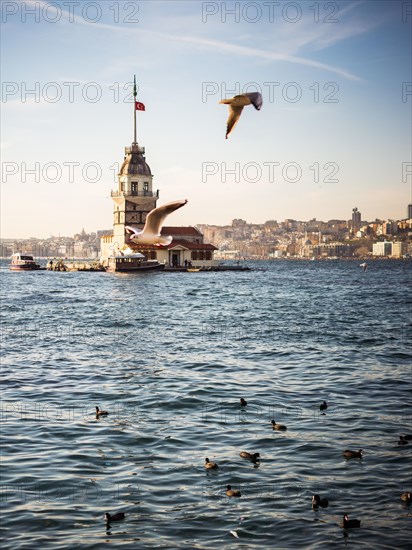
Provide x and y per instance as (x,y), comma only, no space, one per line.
(23,262)
(132,263)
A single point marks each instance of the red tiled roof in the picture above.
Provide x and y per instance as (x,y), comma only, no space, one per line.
(187,231)
(141,247)
(191,245)
(176,242)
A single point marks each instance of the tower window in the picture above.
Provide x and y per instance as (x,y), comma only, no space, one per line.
(134,187)
(145,187)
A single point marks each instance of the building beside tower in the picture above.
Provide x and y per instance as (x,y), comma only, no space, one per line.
(133,199)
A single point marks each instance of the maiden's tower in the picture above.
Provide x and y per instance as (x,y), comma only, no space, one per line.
(133,199)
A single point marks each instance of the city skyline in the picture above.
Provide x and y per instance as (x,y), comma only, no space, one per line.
(348,219)
(334,131)
(352,238)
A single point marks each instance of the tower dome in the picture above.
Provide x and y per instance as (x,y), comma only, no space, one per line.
(134,163)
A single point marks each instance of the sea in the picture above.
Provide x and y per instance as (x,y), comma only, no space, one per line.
(169,355)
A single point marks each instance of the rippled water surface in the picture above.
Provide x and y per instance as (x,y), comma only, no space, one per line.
(169,355)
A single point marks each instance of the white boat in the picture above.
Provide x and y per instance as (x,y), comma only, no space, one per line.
(23,262)
(132,263)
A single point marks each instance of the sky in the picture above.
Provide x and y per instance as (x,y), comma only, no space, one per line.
(334,131)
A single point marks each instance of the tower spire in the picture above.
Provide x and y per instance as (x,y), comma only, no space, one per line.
(134,109)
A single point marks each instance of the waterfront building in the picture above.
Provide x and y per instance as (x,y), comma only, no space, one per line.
(382,248)
(186,248)
(333,249)
(399,249)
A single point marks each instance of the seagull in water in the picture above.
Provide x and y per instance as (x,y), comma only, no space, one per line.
(150,234)
(236,105)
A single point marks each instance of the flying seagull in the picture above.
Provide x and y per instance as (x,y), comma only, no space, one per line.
(236,105)
(150,234)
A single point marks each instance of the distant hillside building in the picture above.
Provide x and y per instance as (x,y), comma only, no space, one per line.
(356,220)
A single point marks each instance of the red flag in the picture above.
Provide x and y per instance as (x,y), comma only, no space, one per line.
(139,106)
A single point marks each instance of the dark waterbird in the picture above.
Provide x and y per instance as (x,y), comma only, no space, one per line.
(353,454)
(406,497)
(210,465)
(243,402)
(317,501)
(278,427)
(323,406)
(232,492)
(115,517)
(100,413)
(250,456)
(403,440)
(350,523)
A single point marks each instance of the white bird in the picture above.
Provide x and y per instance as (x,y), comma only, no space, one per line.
(236,105)
(150,234)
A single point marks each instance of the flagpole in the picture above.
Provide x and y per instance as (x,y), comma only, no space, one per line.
(134,108)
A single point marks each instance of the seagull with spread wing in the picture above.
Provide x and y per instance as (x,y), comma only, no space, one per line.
(236,105)
(150,234)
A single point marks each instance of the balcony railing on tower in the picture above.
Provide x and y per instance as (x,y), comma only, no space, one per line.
(135,194)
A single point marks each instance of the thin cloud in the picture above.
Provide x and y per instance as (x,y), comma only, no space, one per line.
(221,46)
(325,35)
(263,54)
(73,18)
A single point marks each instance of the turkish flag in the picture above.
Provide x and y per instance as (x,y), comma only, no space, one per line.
(139,106)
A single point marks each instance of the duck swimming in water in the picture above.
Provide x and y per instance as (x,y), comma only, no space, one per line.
(101,413)
(323,406)
(243,402)
(278,427)
(115,517)
(232,492)
(349,523)
(250,456)
(353,454)
(406,497)
(317,501)
(210,465)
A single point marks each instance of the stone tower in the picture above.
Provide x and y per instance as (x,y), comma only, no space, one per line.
(134,197)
